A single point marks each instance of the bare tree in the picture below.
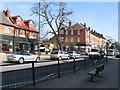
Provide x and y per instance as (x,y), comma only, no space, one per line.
(53,14)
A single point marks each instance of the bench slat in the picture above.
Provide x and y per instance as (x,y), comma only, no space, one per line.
(96,71)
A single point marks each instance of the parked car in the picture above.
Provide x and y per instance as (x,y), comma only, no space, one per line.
(74,54)
(23,57)
(57,54)
(82,52)
(113,52)
(96,53)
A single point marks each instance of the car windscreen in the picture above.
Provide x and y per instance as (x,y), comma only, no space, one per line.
(94,50)
(17,53)
(54,52)
(110,50)
(70,52)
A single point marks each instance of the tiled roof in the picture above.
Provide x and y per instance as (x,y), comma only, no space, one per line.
(76,26)
(5,20)
(23,24)
(13,21)
(30,28)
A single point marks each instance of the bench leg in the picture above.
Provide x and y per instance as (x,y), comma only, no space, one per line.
(91,78)
(97,74)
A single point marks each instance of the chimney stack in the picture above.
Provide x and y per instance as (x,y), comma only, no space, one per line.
(7,13)
(84,24)
(70,23)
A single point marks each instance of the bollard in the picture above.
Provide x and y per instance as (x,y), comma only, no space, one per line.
(33,73)
(74,65)
(59,68)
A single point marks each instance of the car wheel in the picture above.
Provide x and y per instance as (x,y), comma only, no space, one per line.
(74,57)
(51,58)
(60,58)
(37,59)
(68,57)
(21,60)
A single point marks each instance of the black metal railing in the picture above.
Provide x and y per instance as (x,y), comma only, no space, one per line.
(23,77)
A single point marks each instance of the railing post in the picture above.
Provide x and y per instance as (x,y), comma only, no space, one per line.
(59,68)
(84,63)
(92,61)
(33,73)
(107,57)
(74,65)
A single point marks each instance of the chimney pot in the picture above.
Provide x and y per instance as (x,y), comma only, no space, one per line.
(7,13)
(70,23)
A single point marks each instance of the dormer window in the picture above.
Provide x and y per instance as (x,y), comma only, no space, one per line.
(18,20)
(30,23)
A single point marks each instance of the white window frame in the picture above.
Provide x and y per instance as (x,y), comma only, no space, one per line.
(66,39)
(18,21)
(72,39)
(78,32)
(78,39)
(66,32)
(61,31)
(71,32)
(7,30)
(30,23)
(61,39)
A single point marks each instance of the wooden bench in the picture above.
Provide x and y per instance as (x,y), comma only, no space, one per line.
(95,72)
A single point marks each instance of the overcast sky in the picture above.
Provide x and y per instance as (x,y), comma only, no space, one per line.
(100,16)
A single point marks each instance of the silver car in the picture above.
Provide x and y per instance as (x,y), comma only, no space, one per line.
(21,58)
(74,54)
(57,54)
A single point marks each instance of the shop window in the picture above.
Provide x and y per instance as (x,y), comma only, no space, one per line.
(21,32)
(33,34)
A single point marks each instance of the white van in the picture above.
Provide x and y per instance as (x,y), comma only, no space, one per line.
(113,52)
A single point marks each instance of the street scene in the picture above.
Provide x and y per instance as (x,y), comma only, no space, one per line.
(59,45)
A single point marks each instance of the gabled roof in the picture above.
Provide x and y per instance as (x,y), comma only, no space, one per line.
(30,28)
(76,26)
(5,20)
(22,24)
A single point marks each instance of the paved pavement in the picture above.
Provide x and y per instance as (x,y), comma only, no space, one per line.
(108,79)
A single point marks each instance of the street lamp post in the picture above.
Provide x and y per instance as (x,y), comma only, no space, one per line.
(39,29)
(107,46)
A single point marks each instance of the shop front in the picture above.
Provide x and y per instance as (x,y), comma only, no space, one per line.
(11,44)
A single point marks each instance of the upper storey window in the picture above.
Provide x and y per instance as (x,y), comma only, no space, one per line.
(78,32)
(18,20)
(30,23)
(61,31)
(72,32)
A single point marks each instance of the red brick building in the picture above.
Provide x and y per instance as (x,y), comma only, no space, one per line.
(17,33)
(78,36)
